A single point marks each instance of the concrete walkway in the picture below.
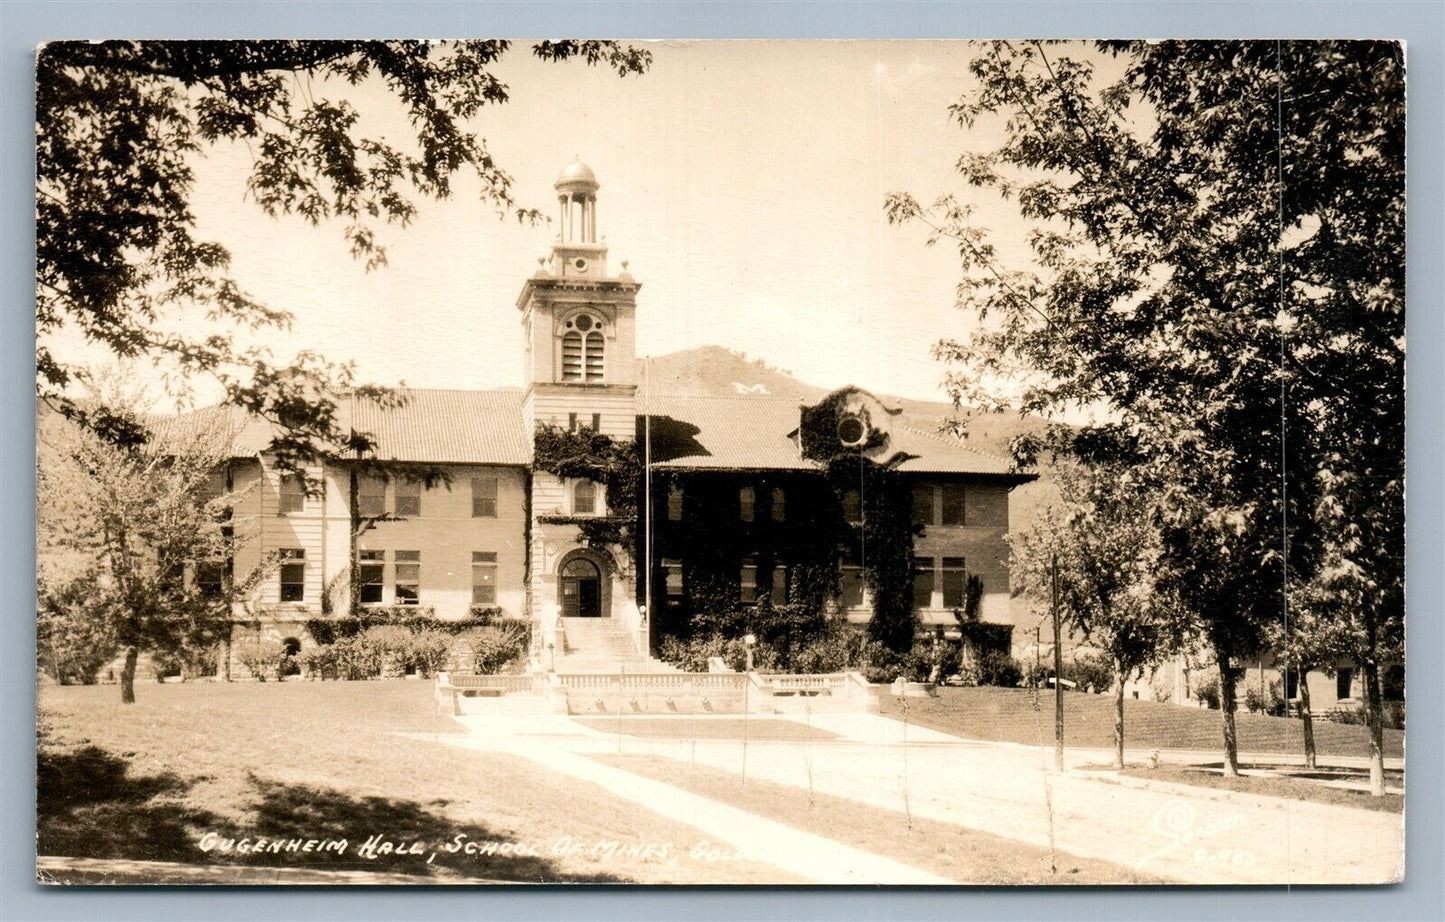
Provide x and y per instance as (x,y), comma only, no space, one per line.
(744,834)
(1188,834)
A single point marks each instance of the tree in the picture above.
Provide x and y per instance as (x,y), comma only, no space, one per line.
(155,531)
(75,634)
(1311,640)
(1101,550)
(1217,242)
(118,259)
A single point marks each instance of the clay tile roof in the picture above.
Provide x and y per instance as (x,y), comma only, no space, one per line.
(433,426)
(723,432)
(698,433)
(752,432)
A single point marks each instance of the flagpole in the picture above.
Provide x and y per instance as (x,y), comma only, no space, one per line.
(647,496)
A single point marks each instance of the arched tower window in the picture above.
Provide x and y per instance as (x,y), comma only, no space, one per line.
(583,349)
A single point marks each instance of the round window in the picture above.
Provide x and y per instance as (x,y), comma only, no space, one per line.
(580,263)
(584,323)
(851,430)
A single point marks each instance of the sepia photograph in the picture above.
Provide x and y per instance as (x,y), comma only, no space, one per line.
(909,463)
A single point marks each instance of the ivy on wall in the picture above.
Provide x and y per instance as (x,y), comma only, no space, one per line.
(613,463)
(882,544)
(711,542)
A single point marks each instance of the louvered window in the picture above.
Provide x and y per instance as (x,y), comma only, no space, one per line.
(594,357)
(572,357)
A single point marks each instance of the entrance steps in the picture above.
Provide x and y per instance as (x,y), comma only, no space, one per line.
(601,645)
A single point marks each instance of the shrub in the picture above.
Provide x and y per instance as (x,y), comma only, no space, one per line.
(1204,687)
(1161,686)
(1092,671)
(845,649)
(999,669)
(1353,716)
(262,657)
(1254,701)
(692,655)
(404,649)
(75,637)
(493,648)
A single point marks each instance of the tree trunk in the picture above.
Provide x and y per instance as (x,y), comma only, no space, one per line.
(1227,706)
(127,676)
(1306,717)
(1118,715)
(1374,716)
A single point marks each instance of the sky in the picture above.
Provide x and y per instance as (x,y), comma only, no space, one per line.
(743,182)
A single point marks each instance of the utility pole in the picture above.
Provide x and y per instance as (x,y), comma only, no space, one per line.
(1058,667)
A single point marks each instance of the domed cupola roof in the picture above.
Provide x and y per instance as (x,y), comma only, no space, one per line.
(577,177)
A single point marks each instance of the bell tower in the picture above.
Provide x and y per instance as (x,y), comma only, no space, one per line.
(579,325)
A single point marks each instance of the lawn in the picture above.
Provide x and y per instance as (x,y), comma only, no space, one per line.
(964,855)
(302,761)
(1271,785)
(1009,715)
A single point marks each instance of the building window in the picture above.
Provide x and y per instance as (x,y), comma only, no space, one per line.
(406,577)
(747,499)
(596,422)
(293,494)
(923,505)
(955,578)
(780,509)
(484,497)
(852,507)
(952,504)
(293,574)
(370,571)
(1343,679)
(371,497)
(674,503)
(748,581)
(778,587)
(584,498)
(850,585)
(211,578)
(408,497)
(923,583)
(672,579)
(484,577)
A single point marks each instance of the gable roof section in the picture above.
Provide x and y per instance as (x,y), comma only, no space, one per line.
(688,433)
(752,433)
(707,433)
(434,426)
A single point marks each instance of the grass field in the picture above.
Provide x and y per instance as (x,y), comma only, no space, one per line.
(959,854)
(311,760)
(1273,786)
(1009,715)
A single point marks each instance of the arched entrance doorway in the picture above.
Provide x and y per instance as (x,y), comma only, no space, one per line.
(581,589)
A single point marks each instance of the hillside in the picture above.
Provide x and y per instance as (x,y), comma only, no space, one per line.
(713,371)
